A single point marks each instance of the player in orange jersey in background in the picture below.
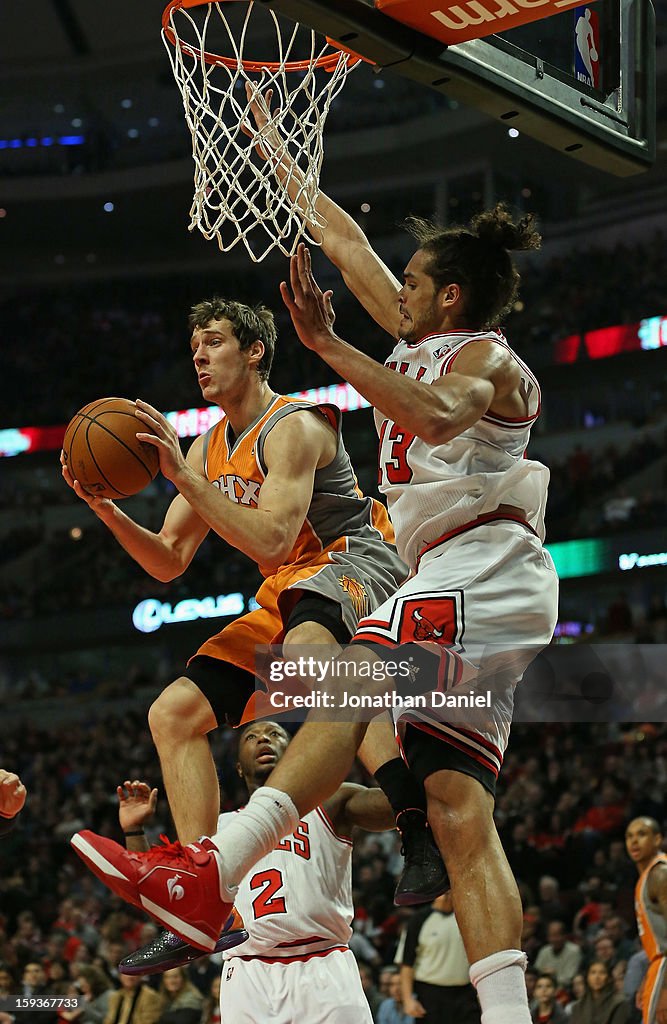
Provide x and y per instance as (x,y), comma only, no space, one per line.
(643,841)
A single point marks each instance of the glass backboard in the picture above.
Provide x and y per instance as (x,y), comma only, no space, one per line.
(540,77)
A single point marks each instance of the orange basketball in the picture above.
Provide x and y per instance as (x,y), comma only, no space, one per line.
(102,450)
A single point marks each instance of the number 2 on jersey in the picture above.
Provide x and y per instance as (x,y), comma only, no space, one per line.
(267,901)
(394,469)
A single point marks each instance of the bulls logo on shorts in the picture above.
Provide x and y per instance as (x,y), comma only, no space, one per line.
(425,619)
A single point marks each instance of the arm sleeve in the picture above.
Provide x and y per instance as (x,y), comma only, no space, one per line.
(412,938)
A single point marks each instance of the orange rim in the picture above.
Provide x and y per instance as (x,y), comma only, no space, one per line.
(328,61)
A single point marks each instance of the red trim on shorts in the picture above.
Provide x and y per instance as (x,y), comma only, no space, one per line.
(330,826)
(438,734)
(301,942)
(290,959)
(482,520)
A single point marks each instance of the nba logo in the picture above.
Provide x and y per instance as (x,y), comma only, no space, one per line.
(587,46)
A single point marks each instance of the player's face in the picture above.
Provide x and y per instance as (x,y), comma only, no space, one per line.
(221,367)
(641,842)
(261,747)
(418,301)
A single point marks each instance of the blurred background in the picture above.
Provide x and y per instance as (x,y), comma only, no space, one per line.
(97,275)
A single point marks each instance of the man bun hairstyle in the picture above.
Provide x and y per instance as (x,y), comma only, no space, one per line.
(477,257)
(250,323)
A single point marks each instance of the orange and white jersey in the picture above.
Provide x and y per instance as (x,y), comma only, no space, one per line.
(296,902)
(339,518)
(651,924)
(434,489)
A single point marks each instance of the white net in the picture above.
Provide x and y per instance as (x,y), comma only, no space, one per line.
(255,184)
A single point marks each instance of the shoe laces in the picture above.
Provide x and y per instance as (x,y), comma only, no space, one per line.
(168,851)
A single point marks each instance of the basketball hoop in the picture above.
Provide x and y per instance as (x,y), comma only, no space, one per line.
(255,185)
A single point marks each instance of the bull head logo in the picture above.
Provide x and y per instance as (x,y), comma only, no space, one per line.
(424,628)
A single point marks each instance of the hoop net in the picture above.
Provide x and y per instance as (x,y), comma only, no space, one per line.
(258,186)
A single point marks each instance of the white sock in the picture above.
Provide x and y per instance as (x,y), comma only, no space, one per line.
(501,987)
(257,829)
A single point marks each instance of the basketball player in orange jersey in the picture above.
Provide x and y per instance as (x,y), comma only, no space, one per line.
(296,964)
(643,841)
(285,494)
(454,407)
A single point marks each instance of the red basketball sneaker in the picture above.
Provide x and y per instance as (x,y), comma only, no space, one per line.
(178,885)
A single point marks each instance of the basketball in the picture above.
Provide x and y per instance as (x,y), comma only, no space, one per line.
(102,450)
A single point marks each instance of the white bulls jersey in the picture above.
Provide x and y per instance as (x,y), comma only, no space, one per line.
(430,489)
(297,901)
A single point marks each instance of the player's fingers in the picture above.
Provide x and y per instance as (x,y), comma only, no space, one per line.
(287,296)
(295,276)
(146,409)
(150,439)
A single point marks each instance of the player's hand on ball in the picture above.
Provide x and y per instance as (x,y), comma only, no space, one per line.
(136,804)
(98,504)
(12,794)
(160,433)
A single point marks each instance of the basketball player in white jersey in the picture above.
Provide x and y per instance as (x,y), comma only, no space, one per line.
(455,405)
(296,903)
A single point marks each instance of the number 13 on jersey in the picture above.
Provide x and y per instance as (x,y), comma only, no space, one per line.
(394,445)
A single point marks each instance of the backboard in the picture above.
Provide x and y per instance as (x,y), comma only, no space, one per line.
(542,78)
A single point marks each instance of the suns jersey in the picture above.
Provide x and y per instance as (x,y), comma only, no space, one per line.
(651,924)
(339,516)
(432,489)
(297,901)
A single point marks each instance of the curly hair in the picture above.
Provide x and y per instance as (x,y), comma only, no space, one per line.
(478,258)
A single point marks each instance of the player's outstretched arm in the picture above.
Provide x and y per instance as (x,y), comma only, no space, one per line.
(434,412)
(163,555)
(358,805)
(342,240)
(265,533)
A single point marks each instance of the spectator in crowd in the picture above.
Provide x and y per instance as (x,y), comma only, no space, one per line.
(94,989)
(8,984)
(552,905)
(531,980)
(134,1003)
(370,991)
(182,1001)
(391,1009)
(211,1010)
(547,1010)
(577,991)
(559,956)
(600,1004)
(604,951)
(616,928)
(435,973)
